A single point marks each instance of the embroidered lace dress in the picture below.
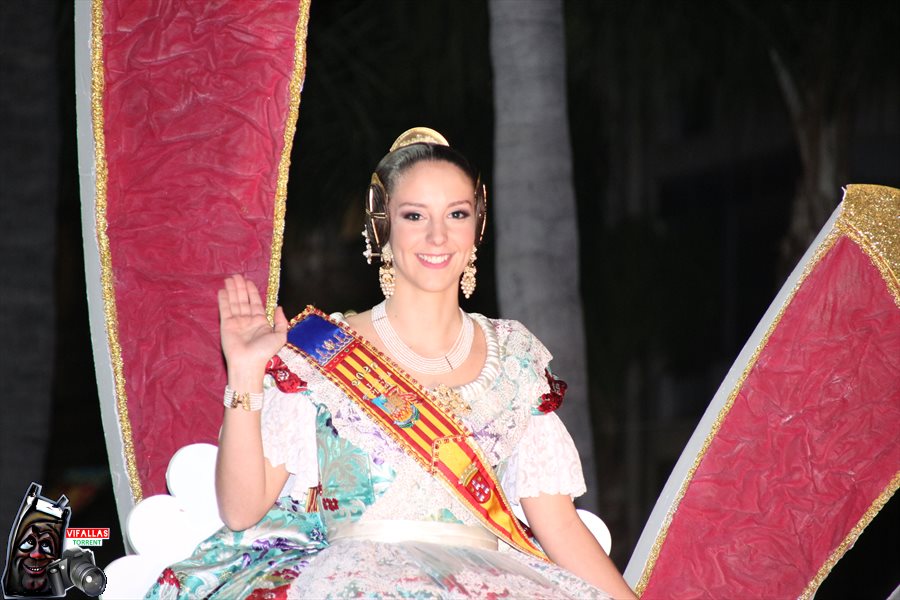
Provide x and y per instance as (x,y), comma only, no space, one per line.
(363,478)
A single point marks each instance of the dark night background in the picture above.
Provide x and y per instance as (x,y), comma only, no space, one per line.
(687,171)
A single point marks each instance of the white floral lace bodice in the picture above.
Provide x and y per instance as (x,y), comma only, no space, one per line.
(531,452)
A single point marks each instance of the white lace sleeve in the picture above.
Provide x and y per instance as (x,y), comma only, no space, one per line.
(289,437)
(545,461)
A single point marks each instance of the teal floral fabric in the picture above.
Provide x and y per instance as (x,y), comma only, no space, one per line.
(259,562)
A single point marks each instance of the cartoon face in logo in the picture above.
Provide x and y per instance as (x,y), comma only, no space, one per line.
(35,542)
(38,545)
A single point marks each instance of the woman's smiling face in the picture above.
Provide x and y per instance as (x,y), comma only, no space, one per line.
(432,212)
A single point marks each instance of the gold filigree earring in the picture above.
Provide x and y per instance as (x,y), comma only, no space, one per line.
(386,271)
(467,282)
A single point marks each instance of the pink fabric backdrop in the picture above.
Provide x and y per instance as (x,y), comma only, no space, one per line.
(195,107)
(808,445)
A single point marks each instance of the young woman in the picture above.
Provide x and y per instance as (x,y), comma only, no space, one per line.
(390,443)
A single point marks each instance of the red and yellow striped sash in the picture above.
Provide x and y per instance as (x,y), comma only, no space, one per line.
(407,412)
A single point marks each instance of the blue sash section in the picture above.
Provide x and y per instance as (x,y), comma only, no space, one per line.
(317,337)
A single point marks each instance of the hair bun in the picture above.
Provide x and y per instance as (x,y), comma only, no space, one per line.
(419,135)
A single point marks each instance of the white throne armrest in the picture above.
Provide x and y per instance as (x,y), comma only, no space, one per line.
(165,528)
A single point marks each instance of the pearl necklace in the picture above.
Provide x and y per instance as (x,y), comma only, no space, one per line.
(460,400)
(474,390)
(455,357)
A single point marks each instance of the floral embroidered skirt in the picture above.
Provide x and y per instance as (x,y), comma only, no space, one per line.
(286,556)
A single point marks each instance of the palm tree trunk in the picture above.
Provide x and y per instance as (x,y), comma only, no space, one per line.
(822,132)
(534,200)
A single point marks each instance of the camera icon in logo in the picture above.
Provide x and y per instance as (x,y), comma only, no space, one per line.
(77,568)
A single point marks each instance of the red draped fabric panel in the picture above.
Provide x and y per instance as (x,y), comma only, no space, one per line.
(809,448)
(199,103)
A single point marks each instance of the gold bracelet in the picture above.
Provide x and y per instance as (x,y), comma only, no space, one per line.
(245,400)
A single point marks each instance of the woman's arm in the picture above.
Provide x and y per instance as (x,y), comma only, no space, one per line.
(570,544)
(246,483)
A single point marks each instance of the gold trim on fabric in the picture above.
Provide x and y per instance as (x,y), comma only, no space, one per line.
(822,250)
(98,86)
(296,87)
(851,538)
(870,216)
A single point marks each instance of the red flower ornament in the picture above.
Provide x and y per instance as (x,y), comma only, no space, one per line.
(286,381)
(554,398)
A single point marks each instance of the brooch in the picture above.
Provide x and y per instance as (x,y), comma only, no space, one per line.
(449,399)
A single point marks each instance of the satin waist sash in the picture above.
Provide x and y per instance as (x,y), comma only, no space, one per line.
(431,532)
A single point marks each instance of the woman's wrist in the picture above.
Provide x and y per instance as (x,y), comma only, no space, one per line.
(246,381)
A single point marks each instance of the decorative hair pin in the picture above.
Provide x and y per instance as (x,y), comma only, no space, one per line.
(419,135)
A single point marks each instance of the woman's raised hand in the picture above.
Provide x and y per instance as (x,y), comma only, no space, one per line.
(246,483)
(248,340)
